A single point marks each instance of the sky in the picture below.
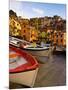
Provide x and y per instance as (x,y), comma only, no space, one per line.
(36,9)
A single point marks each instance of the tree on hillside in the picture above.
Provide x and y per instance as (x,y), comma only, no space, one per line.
(12,13)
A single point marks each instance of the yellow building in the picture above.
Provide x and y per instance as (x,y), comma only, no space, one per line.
(14,27)
(33,34)
(29,33)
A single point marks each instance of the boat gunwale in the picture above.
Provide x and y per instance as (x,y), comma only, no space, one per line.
(33,61)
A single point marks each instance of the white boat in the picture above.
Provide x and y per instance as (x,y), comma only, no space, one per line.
(38,50)
(14,42)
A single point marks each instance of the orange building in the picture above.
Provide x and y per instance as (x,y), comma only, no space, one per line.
(28,32)
(59,38)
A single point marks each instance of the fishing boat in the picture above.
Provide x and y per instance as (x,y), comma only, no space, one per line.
(21,61)
(23,67)
(37,50)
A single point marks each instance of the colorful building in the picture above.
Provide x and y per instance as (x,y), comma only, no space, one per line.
(59,38)
(28,32)
(14,27)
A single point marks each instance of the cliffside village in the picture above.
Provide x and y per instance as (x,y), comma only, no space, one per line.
(46,29)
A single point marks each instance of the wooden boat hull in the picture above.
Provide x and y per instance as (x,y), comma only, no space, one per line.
(24,78)
(24,75)
(42,52)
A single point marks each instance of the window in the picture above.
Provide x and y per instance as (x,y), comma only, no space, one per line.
(57,35)
(24,31)
(32,35)
(17,24)
(61,35)
(61,40)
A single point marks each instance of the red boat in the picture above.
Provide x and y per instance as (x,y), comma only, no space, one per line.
(20,60)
